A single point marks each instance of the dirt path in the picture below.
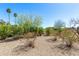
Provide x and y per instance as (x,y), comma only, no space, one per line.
(43,47)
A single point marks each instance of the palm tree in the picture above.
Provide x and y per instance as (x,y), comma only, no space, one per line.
(8,10)
(15,15)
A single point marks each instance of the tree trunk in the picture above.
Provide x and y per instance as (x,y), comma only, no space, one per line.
(9,18)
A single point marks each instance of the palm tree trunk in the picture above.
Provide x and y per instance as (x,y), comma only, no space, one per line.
(15,20)
(9,17)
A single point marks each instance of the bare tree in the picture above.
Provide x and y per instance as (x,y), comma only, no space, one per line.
(72,31)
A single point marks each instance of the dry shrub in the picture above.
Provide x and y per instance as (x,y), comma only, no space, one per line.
(69,37)
(29,35)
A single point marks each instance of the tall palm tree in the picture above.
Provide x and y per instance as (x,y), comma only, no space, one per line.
(8,10)
(15,15)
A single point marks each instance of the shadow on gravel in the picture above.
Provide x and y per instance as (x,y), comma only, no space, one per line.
(21,49)
(65,50)
(11,39)
(51,40)
(24,47)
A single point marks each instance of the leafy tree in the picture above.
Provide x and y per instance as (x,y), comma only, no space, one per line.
(37,21)
(58,25)
(29,22)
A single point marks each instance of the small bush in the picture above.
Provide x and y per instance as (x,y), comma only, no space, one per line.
(48,31)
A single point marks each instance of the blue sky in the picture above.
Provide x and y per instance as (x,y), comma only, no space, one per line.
(49,12)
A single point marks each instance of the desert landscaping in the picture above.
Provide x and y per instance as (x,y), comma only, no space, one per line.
(24,35)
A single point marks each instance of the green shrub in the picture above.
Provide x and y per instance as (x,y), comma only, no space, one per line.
(17,30)
(48,31)
(3,31)
(40,31)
